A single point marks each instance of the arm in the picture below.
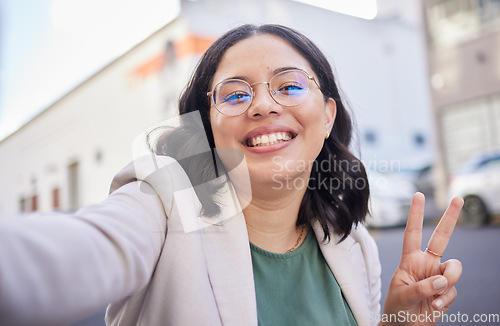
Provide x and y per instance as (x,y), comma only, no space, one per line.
(56,270)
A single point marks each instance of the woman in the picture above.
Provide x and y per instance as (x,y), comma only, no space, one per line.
(290,251)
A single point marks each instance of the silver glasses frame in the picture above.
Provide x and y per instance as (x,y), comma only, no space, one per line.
(211,94)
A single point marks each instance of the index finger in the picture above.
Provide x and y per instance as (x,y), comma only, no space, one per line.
(413,232)
(442,234)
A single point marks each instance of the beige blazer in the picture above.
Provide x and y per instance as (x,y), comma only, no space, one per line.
(126,252)
(205,277)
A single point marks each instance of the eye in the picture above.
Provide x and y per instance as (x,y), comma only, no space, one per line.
(235,98)
(291,89)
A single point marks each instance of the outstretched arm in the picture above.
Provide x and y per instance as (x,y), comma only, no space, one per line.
(422,288)
(56,270)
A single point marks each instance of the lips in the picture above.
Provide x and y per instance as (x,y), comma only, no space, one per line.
(263,138)
(269,138)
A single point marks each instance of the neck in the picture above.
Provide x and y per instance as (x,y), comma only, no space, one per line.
(271,220)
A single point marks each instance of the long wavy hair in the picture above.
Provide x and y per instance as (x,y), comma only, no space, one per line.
(337,197)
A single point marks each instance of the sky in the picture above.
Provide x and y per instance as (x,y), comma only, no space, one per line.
(47,47)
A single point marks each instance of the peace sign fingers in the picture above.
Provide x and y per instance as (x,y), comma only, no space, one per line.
(441,235)
(421,283)
(413,232)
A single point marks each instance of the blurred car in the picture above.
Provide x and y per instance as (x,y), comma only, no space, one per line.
(478,183)
(424,181)
(390,199)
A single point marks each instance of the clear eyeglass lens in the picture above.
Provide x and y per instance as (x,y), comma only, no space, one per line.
(289,88)
(232,97)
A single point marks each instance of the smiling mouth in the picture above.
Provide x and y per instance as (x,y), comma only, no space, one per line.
(269,139)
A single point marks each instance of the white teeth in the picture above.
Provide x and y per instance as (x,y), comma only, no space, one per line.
(270,139)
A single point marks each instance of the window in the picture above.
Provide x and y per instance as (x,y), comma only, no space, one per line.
(470,128)
(34,203)
(456,21)
(489,11)
(419,139)
(370,137)
(73,186)
(55,199)
(22,205)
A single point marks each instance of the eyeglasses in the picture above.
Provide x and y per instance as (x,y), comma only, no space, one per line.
(233,97)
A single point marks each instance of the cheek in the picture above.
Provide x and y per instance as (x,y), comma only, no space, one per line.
(314,123)
(221,129)
(215,118)
(215,122)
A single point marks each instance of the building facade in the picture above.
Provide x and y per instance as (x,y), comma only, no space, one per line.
(463,39)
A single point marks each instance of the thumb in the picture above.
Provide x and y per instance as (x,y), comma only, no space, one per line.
(426,288)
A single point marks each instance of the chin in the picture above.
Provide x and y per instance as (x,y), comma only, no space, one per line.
(278,180)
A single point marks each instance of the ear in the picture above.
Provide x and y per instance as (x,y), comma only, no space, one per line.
(330,114)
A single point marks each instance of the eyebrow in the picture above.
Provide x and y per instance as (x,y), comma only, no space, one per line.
(278,70)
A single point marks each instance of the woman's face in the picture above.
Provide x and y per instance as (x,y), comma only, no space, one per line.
(254,60)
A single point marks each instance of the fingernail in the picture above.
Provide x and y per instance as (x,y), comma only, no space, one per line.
(439,283)
(438,303)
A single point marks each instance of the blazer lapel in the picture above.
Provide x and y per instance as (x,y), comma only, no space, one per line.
(228,258)
(346,262)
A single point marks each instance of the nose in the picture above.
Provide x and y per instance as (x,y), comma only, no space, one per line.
(263,104)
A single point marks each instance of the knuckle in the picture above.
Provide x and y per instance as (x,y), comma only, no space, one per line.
(454,268)
(454,261)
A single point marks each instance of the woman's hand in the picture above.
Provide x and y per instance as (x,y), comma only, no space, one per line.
(422,288)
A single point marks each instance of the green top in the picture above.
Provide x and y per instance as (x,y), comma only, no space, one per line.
(298,288)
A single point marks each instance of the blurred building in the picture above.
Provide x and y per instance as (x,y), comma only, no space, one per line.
(463,39)
(66,156)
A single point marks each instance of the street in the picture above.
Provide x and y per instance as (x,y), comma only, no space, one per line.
(478,289)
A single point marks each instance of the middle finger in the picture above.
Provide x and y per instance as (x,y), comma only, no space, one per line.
(441,235)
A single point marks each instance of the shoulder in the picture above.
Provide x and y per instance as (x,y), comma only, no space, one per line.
(166,177)
(359,240)
(361,235)
(145,168)
(368,248)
